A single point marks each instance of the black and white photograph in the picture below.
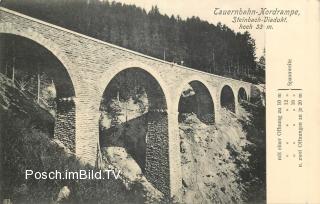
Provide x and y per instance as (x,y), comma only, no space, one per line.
(139,101)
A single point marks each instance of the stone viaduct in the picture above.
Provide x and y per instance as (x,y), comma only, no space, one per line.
(91,64)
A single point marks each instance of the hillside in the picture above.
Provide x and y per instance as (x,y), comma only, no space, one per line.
(26,143)
(217,163)
(221,163)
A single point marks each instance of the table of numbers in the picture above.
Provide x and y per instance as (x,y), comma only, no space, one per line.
(289,128)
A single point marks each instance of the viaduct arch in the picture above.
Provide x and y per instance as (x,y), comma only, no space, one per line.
(93,64)
(197,99)
(242,94)
(149,146)
(228,99)
(64,126)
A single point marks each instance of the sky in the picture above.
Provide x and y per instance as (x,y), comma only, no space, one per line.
(204,9)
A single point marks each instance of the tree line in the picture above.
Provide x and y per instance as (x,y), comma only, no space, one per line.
(190,42)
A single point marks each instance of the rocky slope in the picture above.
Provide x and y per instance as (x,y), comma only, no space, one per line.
(221,163)
(217,164)
(25,143)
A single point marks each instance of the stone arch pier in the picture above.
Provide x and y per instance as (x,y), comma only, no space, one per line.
(100,72)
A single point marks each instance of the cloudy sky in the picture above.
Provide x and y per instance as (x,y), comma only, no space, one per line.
(204,9)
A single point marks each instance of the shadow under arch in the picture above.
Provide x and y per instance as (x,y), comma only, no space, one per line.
(242,95)
(227,99)
(10,29)
(25,59)
(197,99)
(134,116)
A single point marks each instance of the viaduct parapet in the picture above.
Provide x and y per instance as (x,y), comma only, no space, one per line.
(91,64)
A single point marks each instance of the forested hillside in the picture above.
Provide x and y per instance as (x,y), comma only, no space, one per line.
(26,142)
(191,42)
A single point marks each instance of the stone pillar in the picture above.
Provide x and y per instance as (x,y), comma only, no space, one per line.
(157,151)
(235,91)
(249,94)
(87,129)
(64,128)
(217,108)
(236,106)
(174,156)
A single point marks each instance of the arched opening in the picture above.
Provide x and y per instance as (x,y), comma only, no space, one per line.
(196,99)
(196,127)
(134,117)
(42,78)
(227,98)
(242,95)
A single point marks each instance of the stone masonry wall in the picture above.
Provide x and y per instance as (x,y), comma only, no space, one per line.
(157,152)
(64,129)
